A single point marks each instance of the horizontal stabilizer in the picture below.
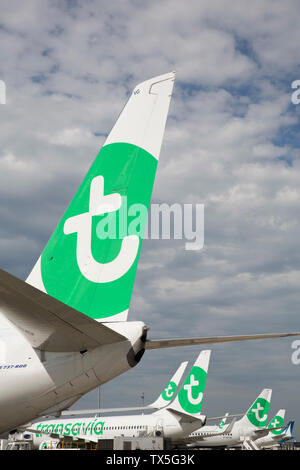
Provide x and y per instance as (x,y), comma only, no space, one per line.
(266,431)
(195,438)
(47,323)
(261,433)
(178,342)
(187,417)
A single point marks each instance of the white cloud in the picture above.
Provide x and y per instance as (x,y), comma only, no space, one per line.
(71,137)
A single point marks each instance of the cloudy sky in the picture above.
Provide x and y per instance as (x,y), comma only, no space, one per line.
(231,143)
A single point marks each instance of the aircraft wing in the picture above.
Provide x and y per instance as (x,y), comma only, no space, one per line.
(225,416)
(96,411)
(105,410)
(177,342)
(47,323)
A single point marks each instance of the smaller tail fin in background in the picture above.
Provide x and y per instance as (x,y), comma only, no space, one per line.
(190,396)
(223,421)
(276,422)
(257,415)
(288,431)
(170,390)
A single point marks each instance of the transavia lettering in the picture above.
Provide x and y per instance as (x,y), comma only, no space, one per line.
(73,429)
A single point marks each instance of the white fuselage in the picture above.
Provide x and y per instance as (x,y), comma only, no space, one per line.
(205,431)
(34,383)
(223,440)
(271,440)
(161,423)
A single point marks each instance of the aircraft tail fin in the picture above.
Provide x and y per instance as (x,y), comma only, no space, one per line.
(287,431)
(91,258)
(223,421)
(257,415)
(190,396)
(170,390)
(276,422)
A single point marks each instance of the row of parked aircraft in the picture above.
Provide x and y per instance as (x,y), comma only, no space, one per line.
(64,331)
(178,416)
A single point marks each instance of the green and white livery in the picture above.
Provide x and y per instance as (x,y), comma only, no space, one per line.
(64,331)
(171,422)
(83,255)
(258,413)
(276,431)
(190,397)
(250,427)
(223,422)
(277,422)
(170,390)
